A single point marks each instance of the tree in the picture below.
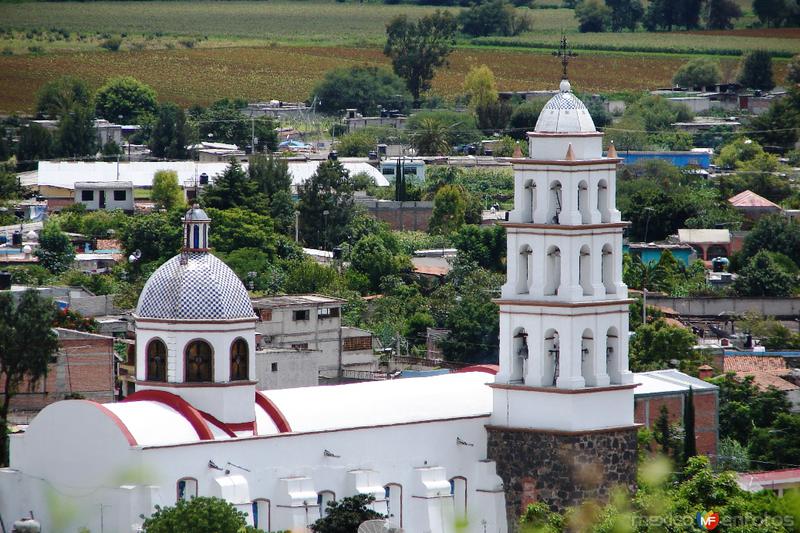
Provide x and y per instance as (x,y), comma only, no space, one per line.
(55,252)
(167,192)
(771,12)
(197,515)
(688,13)
(60,96)
(27,345)
(345,515)
(236,228)
(156,235)
(775,234)
(125,97)
(689,439)
(449,209)
(524,117)
(356,144)
(495,17)
(429,137)
(720,14)
(458,127)
(9,183)
(592,15)
(76,135)
(480,87)
(170,135)
(494,116)
(329,189)
(779,126)
(234,188)
(371,257)
(625,14)
(660,14)
(35,143)
(761,276)
(270,174)
(778,445)
(367,89)
(485,246)
(699,72)
(658,343)
(756,71)
(793,70)
(418,48)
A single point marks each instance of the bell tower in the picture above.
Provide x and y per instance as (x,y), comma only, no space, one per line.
(563,398)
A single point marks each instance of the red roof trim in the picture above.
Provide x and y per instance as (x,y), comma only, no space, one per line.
(221,425)
(489,369)
(114,418)
(274,413)
(188,412)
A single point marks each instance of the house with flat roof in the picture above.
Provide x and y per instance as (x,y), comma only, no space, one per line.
(105,195)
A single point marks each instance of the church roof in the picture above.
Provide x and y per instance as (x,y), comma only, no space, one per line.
(194,286)
(565,113)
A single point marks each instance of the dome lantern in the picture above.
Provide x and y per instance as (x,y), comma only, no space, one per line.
(195,230)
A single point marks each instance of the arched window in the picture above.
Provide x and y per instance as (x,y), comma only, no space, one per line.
(324,497)
(553,271)
(607,269)
(261,514)
(199,362)
(519,356)
(197,237)
(602,201)
(613,355)
(394,504)
(588,357)
(187,488)
(554,207)
(156,361)
(552,353)
(583,203)
(524,270)
(529,205)
(585,270)
(458,488)
(239,359)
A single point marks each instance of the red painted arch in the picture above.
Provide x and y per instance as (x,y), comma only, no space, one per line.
(220,424)
(114,418)
(274,413)
(489,369)
(188,412)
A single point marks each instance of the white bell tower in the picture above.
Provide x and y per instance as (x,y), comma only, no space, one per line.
(564,308)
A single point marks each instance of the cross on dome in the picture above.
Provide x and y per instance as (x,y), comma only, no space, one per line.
(565,56)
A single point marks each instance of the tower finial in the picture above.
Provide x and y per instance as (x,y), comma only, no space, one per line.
(565,55)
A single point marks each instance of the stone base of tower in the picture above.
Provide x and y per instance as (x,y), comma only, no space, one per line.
(561,468)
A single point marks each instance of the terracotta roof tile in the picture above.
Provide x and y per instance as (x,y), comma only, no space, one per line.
(753,363)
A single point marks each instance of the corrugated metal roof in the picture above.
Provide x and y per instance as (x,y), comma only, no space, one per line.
(666,381)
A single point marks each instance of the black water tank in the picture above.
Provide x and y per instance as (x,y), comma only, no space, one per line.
(203,179)
(333,156)
(337,253)
(5,281)
(16,239)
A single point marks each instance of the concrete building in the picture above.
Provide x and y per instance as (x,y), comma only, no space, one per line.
(105,195)
(314,322)
(708,243)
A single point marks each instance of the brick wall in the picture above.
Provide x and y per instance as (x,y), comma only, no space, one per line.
(401,215)
(84,365)
(706,421)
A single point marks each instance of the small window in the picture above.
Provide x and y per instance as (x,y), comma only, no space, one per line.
(120,196)
(199,362)
(265,314)
(300,346)
(187,488)
(328,312)
(274,367)
(239,360)
(87,196)
(301,315)
(156,361)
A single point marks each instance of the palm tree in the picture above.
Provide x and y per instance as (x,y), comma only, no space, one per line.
(430,137)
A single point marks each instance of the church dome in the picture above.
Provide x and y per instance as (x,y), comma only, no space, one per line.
(194,286)
(565,113)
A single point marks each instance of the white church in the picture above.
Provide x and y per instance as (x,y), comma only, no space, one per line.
(555,424)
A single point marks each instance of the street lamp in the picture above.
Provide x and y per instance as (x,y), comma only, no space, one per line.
(325,229)
(297,226)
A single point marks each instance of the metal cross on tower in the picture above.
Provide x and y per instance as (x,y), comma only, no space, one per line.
(565,55)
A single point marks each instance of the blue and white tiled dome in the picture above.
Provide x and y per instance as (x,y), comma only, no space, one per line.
(565,113)
(199,288)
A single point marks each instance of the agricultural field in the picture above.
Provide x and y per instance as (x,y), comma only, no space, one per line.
(189,76)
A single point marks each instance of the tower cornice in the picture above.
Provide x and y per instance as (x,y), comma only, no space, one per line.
(567,162)
(578,228)
(561,303)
